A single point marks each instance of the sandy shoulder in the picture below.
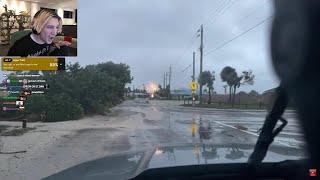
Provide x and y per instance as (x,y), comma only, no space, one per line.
(50,147)
(38,140)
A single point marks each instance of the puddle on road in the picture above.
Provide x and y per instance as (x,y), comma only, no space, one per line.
(143,114)
(153,108)
(213,154)
(121,143)
(196,129)
(93,130)
(150,122)
(206,128)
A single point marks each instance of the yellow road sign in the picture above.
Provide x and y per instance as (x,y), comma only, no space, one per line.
(193,86)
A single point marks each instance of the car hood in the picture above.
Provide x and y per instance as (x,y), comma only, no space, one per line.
(129,164)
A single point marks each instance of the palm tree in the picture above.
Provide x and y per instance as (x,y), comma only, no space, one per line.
(207,78)
(225,88)
(229,75)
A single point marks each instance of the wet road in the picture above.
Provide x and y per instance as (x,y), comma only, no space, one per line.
(181,135)
(222,126)
(165,122)
(232,125)
(140,124)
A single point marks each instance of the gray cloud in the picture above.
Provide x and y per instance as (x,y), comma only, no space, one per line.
(151,35)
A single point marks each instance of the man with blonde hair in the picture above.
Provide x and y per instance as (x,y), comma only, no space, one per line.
(46,25)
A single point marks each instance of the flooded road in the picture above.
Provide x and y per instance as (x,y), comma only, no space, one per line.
(142,133)
(223,126)
(164,134)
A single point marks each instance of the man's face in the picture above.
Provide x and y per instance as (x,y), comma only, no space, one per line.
(50,30)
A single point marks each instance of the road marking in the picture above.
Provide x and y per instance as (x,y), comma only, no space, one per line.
(236,128)
(282,133)
(259,123)
(254,134)
(288,142)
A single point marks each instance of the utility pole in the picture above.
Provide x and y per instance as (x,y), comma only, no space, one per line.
(201,59)
(170,72)
(193,67)
(164,81)
(166,84)
(193,78)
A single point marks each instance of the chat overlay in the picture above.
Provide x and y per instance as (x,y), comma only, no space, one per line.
(23,77)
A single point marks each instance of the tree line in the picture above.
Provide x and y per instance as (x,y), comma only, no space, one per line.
(230,77)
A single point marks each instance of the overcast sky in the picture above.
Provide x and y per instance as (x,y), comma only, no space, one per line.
(151,35)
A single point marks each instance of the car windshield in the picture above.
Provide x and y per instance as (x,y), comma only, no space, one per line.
(151,84)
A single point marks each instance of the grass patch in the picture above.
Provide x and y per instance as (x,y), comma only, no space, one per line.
(17,132)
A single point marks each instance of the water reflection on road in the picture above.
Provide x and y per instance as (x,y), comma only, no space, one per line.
(159,134)
(196,127)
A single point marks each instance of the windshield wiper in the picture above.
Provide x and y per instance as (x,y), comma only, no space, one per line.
(268,133)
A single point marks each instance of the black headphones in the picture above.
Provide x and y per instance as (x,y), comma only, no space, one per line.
(54,14)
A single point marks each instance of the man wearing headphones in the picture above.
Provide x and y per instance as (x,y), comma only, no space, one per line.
(45,27)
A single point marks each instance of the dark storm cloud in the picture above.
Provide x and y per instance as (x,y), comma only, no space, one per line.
(151,35)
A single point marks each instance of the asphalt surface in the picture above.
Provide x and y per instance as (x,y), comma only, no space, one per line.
(226,125)
(179,124)
(141,124)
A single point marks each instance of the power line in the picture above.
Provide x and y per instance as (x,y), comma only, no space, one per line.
(220,6)
(239,35)
(225,9)
(223,6)
(194,37)
(222,11)
(253,10)
(191,42)
(218,10)
(186,68)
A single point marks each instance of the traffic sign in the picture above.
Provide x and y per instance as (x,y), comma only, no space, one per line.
(193,86)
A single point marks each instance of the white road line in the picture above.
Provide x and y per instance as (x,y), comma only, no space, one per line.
(282,132)
(254,134)
(291,133)
(253,123)
(236,128)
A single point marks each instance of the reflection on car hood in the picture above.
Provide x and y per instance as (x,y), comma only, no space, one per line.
(127,165)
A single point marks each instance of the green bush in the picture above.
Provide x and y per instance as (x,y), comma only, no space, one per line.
(80,90)
(62,108)
(36,104)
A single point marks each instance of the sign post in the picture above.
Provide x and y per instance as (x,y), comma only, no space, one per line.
(193,86)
